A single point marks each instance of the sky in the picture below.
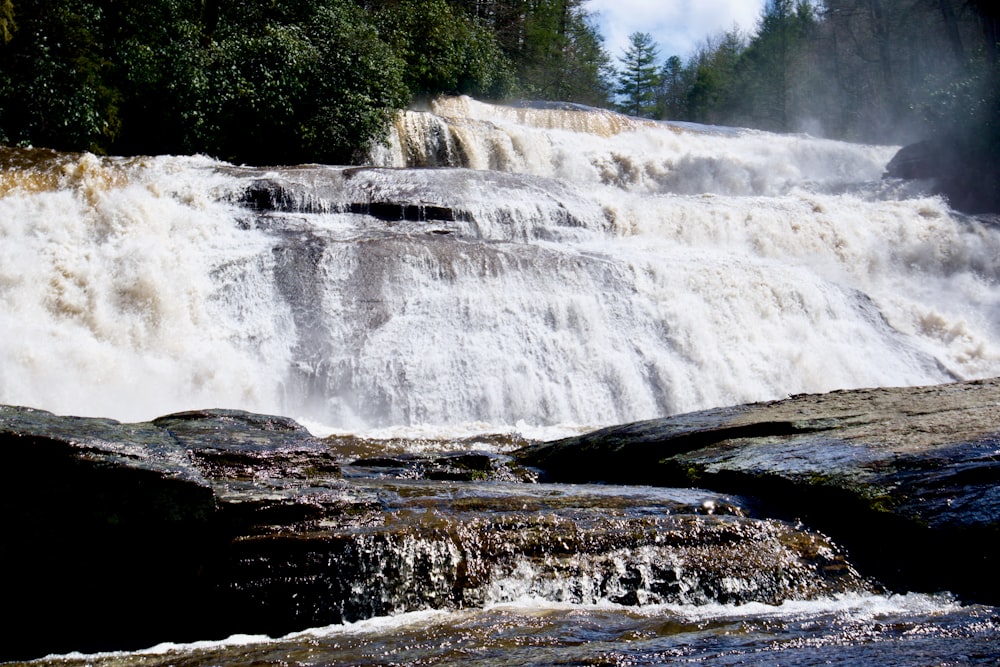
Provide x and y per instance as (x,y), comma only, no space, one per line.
(678,26)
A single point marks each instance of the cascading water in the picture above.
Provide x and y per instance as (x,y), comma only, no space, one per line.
(128,288)
(530,269)
(568,267)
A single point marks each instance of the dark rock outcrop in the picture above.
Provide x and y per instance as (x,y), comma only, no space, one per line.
(907,479)
(916,161)
(270,195)
(968,178)
(205,524)
(114,533)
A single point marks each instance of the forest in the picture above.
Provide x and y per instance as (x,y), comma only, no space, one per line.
(285,81)
(867,70)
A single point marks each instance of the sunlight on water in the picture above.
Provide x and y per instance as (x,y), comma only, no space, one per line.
(572,269)
(902,630)
(563,269)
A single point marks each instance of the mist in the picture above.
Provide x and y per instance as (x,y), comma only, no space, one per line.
(872,72)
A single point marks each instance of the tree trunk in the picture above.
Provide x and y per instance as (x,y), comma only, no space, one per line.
(951,29)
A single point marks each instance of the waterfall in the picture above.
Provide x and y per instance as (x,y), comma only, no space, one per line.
(492,268)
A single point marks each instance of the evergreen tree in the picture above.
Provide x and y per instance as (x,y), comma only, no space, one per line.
(672,91)
(638,80)
(590,71)
(713,82)
(575,68)
(769,66)
(557,52)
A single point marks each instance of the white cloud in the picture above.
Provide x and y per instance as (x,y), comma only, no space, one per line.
(678,26)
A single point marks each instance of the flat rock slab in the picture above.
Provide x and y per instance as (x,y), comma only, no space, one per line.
(907,478)
(204,524)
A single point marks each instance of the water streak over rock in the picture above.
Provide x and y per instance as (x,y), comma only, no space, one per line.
(908,479)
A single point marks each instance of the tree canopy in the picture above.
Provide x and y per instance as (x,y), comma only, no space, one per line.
(865,70)
(319,80)
(639,76)
(280,81)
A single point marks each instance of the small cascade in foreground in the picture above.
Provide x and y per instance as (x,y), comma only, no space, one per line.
(558,268)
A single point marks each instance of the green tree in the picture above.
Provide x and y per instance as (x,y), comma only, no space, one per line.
(282,81)
(672,91)
(712,79)
(320,88)
(277,82)
(562,56)
(769,67)
(638,79)
(444,50)
(358,86)
(556,51)
(586,69)
(53,88)
(161,55)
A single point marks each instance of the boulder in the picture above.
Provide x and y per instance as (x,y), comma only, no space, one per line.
(967,177)
(907,479)
(916,161)
(116,534)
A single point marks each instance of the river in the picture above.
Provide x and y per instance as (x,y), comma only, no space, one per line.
(527,271)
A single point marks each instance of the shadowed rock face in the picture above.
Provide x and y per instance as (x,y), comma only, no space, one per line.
(114,534)
(204,524)
(908,479)
(966,175)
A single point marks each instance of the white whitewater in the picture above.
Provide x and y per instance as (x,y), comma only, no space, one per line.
(600,270)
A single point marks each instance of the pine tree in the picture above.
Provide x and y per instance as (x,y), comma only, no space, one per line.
(713,85)
(770,66)
(672,90)
(638,81)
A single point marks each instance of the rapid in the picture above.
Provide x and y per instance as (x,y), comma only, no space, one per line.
(535,271)
(560,268)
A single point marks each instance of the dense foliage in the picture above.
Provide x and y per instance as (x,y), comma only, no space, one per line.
(554,49)
(286,81)
(276,81)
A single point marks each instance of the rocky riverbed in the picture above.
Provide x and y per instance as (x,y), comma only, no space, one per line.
(205,524)
(907,478)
